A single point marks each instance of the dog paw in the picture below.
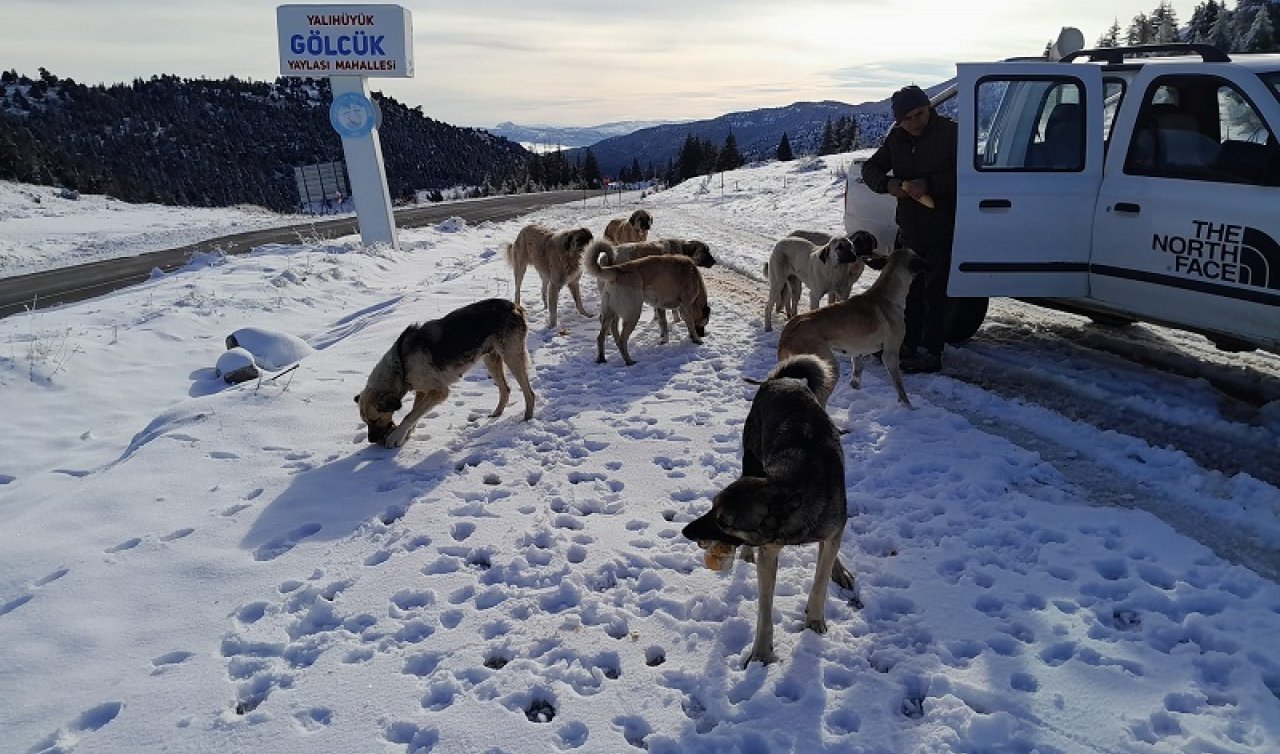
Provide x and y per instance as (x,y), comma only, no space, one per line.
(396,439)
(762,656)
(816,625)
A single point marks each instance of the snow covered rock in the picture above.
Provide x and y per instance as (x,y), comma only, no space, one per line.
(270,348)
(236,365)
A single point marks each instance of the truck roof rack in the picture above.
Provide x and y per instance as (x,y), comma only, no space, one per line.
(1115,55)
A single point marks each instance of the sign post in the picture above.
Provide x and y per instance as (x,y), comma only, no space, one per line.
(349,43)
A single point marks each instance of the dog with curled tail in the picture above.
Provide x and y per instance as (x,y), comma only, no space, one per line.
(665,281)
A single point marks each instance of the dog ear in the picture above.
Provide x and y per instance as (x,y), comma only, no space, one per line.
(388,403)
(825,253)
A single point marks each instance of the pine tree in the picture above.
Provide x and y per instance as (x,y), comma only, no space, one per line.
(1139,32)
(591,170)
(1163,23)
(1260,36)
(1112,36)
(730,158)
(784,153)
(828,143)
(1201,22)
(1220,35)
(710,157)
(690,159)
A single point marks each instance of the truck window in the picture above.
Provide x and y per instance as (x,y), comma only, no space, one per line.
(1202,128)
(1037,126)
(1112,95)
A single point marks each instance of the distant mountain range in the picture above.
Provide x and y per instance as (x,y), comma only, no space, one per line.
(538,138)
(757,133)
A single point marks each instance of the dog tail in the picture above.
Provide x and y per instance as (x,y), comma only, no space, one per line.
(813,370)
(591,259)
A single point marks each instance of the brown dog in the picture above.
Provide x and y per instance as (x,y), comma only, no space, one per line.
(430,357)
(631,230)
(557,257)
(824,269)
(791,492)
(698,251)
(868,322)
(664,282)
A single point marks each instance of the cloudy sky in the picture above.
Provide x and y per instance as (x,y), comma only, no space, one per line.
(571,62)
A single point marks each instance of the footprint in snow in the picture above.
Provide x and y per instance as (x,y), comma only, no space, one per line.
(128,544)
(281,545)
(65,739)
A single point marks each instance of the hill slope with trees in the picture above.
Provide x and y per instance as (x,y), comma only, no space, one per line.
(201,142)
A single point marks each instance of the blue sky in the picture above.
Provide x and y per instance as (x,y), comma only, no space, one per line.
(570,62)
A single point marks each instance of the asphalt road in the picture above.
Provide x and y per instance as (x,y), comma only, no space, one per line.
(70,284)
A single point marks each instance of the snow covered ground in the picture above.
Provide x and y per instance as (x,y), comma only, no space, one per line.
(41,228)
(1059,550)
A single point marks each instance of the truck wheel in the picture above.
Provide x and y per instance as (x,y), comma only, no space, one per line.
(966,317)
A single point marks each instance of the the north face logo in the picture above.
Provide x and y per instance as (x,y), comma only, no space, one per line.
(1224,252)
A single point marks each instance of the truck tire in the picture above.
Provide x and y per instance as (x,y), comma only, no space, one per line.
(965,318)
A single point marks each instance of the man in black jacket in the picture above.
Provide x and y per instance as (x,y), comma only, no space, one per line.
(920,152)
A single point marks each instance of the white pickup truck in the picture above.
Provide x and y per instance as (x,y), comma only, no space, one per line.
(1127,184)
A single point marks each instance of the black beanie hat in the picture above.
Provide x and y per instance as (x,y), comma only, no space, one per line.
(907,99)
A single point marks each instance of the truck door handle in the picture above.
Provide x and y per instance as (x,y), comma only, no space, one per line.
(1128,207)
(995,204)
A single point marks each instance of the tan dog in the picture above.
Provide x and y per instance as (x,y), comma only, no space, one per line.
(631,230)
(791,492)
(698,251)
(663,281)
(430,357)
(822,268)
(868,322)
(557,257)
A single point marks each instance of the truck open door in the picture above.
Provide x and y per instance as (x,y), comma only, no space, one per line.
(1029,164)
